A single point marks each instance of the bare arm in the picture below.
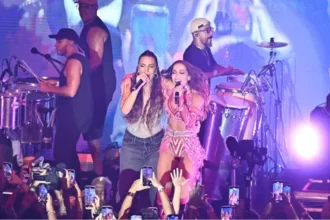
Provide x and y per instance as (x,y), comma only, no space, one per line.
(176,200)
(125,207)
(72,72)
(178,183)
(95,39)
(128,97)
(167,207)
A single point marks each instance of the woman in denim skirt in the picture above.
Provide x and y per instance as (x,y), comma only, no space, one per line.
(142,107)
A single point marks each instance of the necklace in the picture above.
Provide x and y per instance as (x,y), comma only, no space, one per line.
(205,54)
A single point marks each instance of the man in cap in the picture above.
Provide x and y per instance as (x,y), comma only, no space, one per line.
(95,40)
(74,98)
(200,56)
(199,53)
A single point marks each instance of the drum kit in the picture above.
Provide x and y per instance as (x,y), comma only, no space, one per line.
(25,110)
(236,109)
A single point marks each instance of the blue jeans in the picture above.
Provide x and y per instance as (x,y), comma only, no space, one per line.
(135,154)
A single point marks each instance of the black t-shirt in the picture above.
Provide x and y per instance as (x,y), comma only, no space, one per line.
(202,59)
(78,109)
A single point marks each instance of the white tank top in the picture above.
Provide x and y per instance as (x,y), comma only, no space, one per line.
(141,130)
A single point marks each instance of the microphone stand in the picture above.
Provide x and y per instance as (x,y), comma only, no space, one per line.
(53,64)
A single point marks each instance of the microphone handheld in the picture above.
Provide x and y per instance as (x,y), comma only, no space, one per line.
(137,85)
(177,94)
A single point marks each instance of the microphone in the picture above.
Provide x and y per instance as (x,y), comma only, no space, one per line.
(46,56)
(177,94)
(39,161)
(137,85)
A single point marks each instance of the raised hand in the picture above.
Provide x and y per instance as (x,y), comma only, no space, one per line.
(144,77)
(154,181)
(177,179)
(96,205)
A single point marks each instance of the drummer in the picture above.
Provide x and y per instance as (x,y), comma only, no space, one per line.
(74,99)
(199,54)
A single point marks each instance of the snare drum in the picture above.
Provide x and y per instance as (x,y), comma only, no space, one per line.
(36,111)
(10,110)
(232,91)
(37,108)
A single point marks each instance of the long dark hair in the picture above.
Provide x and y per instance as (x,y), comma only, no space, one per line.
(155,102)
(198,82)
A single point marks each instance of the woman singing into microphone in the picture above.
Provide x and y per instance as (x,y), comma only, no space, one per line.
(186,101)
(142,107)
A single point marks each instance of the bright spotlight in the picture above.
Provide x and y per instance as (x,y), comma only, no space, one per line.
(307,142)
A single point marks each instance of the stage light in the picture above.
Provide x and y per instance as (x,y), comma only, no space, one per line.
(307,142)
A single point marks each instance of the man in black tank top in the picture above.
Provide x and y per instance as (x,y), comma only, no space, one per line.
(95,40)
(74,98)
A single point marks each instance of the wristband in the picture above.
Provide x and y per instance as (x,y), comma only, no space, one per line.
(130,194)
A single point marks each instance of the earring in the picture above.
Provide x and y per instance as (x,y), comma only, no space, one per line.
(156,75)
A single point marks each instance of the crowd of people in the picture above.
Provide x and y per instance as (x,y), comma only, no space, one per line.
(69,201)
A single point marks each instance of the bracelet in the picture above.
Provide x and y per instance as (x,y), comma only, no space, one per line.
(160,189)
(130,194)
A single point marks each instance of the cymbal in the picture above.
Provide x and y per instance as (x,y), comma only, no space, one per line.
(272,44)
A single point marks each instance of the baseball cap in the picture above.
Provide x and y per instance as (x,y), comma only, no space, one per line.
(66,33)
(88,2)
(198,23)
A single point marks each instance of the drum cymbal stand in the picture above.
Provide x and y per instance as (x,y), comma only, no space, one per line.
(265,127)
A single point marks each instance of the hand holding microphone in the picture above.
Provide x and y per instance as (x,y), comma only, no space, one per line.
(141,80)
(178,90)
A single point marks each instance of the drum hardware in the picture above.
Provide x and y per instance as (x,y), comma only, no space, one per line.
(264,126)
(37,112)
(272,44)
(10,110)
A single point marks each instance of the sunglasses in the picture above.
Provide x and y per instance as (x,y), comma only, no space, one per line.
(207,30)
